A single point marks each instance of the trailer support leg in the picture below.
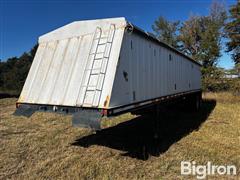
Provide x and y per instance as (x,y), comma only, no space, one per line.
(156,122)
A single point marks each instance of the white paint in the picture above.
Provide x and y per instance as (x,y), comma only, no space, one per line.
(201,171)
(78,65)
(59,75)
(150,72)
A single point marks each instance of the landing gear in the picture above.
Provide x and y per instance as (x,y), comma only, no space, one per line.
(194,102)
(156,121)
(197,102)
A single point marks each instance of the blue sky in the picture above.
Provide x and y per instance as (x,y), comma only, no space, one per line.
(23,21)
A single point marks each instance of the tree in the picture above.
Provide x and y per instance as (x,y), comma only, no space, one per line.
(232,29)
(166,31)
(13,72)
(237,69)
(200,36)
(33,52)
(190,36)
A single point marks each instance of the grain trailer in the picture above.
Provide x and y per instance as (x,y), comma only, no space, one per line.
(105,67)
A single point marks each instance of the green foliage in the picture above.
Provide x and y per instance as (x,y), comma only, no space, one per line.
(13,72)
(232,29)
(200,36)
(235,86)
(166,31)
(215,80)
(190,37)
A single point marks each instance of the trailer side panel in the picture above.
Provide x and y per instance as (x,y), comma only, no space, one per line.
(147,70)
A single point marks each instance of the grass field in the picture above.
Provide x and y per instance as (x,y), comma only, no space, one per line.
(45,146)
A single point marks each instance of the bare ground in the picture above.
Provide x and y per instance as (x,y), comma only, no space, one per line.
(46,146)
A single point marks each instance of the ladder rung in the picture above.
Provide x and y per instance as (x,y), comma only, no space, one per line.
(101,58)
(90,90)
(93,69)
(97,73)
(102,43)
(105,43)
(98,58)
(94,89)
(96,53)
(100,38)
(94,73)
(89,86)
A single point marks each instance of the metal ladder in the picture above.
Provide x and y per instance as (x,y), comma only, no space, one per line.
(96,66)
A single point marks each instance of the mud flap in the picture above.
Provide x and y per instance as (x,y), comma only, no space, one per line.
(25,110)
(88,119)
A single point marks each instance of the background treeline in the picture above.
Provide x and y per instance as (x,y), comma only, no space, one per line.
(13,72)
(204,38)
(201,37)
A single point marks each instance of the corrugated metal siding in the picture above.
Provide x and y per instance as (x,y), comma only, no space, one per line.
(60,73)
(150,72)
(79,65)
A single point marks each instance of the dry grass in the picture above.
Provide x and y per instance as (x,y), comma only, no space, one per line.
(222,97)
(45,146)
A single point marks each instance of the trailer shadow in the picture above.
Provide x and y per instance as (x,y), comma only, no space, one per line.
(136,137)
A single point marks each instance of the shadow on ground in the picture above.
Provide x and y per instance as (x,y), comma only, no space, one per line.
(136,137)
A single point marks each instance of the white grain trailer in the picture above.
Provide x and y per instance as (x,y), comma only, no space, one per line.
(105,67)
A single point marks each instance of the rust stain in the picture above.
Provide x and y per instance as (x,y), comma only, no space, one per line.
(106,102)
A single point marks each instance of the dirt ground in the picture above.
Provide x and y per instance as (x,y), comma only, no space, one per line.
(46,146)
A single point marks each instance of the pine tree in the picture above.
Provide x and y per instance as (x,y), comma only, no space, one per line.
(232,29)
